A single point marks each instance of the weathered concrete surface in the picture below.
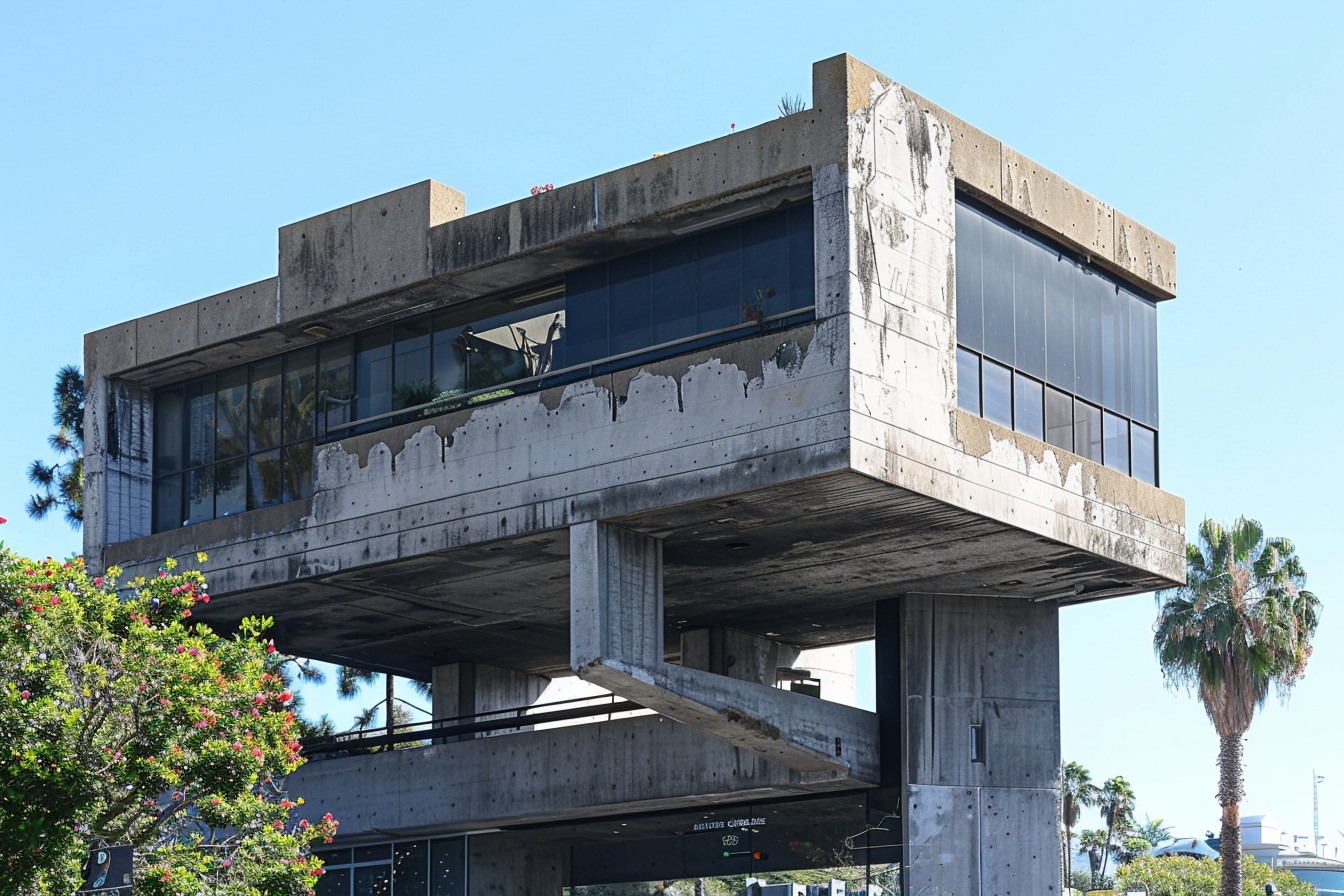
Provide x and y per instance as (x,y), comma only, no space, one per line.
(514,865)
(473,689)
(616,636)
(988,825)
(639,764)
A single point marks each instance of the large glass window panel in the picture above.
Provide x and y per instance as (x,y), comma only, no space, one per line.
(765,265)
(334,882)
(719,279)
(169,453)
(382,852)
(200,495)
(336,386)
(200,413)
(1115,442)
(448,867)
(1115,352)
(1028,406)
(495,350)
(300,395)
(1029,306)
(997,289)
(412,377)
(1089,309)
(802,258)
(970,304)
(230,487)
(231,413)
(264,406)
(168,502)
(1060,276)
(265,485)
(673,291)
(373,374)
(1087,430)
(1059,419)
(586,314)
(372,880)
(297,471)
(410,868)
(997,391)
(1143,454)
(449,358)
(631,303)
(968,380)
(1143,360)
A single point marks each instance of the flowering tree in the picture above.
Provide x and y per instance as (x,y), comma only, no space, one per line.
(122,722)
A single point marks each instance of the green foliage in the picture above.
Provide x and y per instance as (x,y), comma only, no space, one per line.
(122,721)
(62,484)
(1184,876)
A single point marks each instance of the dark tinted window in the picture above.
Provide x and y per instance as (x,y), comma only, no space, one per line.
(968,381)
(1028,406)
(996,277)
(1029,307)
(970,303)
(997,391)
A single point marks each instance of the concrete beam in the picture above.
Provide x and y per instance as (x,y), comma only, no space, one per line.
(616,642)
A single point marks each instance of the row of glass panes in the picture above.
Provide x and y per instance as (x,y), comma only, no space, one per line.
(409,868)
(243,439)
(1014,400)
(1033,308)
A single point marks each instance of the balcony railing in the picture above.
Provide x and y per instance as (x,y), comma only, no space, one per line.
(352,743)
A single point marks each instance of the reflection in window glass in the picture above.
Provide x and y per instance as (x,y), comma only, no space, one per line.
(168,431)
(802,292)
(297,469)
(373,373)
(970,305)
(230,487)
(1115,442)
(1029,307)
(1143,349)
(200,494)
(448,867)
(168,502)
(300,395)
(765,264)
(1115,351)
(336,386)
(631,303)
(231,413)
(412,382)
(997,389)
(672,285)
(1089,307)
(372,880)
(200,412)
(264,487)
(334,882)
(1143,456)
(1060,274)
(1059,419)
(264,405)
(968,380)
(1028,407)
(719,285)
(1087,430)
(410,869)
(997,289)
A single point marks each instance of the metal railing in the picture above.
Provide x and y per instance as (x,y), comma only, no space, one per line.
(441,730)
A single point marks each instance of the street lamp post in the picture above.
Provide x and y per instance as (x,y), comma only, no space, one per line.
(1316,811)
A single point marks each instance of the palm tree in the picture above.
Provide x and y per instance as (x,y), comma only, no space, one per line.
(1153,830)
(1242,622)
(1076,791)
(1096,844)
(1116,802)
(62,484)
(350,680)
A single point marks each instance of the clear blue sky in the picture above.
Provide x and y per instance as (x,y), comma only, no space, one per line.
(148,152)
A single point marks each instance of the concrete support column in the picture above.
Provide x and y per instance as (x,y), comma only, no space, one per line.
(513,865)
(968,692)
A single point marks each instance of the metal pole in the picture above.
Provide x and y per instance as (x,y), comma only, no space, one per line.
(1316,812)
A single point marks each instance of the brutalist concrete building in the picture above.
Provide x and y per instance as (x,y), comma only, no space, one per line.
(861,372)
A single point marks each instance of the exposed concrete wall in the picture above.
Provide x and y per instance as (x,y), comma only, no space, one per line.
(976,827)
(907,429)
(739,655)
(616,636)
(638,764)
(466,689)
(514,865)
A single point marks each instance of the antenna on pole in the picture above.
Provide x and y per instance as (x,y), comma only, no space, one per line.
(1316,811)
